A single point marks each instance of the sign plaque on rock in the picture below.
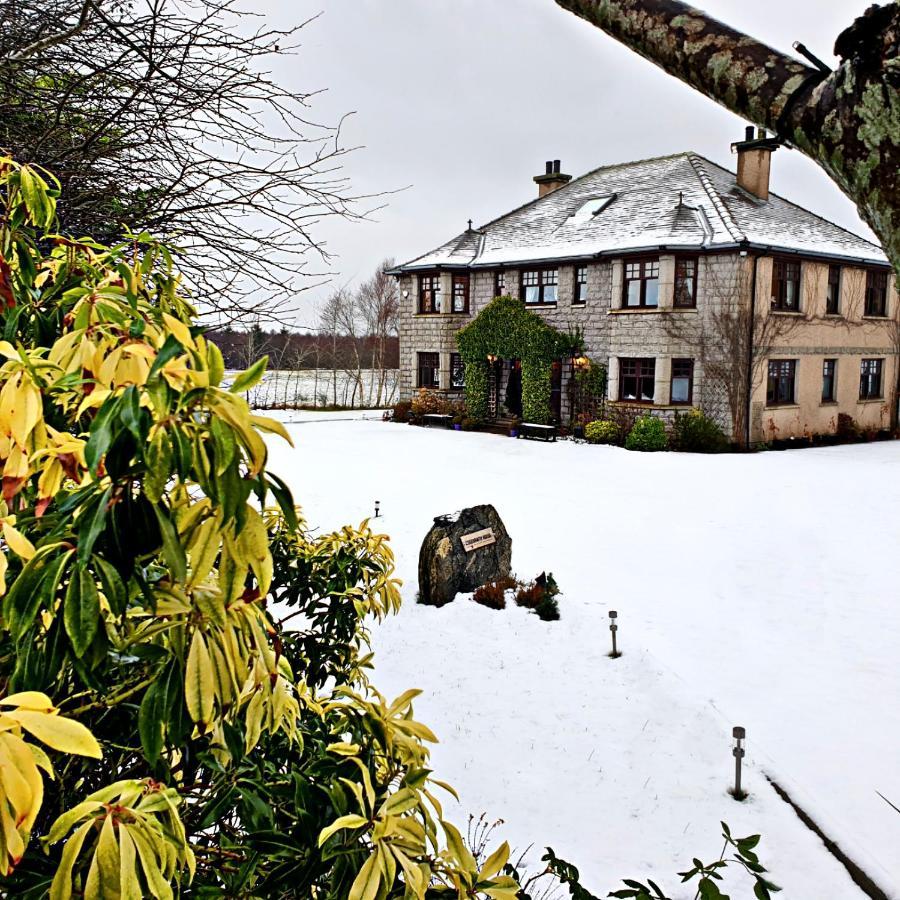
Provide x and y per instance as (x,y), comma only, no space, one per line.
(461,552)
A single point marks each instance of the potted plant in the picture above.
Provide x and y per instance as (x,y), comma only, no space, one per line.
(514,428)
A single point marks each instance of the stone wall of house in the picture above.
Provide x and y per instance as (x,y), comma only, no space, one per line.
(713,335)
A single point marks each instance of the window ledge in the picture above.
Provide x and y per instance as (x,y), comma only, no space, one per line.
(426,315)
(836,315)
(874,318)
(635,310)
(581,305)
(774,406)
(649,404)
(796,313)
(540,305)
(871,400)
(829,403)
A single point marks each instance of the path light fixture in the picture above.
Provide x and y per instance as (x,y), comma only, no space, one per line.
(739,734)
(581,362)
(377,508)
(613,628)
(491,358)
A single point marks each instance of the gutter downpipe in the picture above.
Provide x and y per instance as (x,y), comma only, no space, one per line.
(750,349)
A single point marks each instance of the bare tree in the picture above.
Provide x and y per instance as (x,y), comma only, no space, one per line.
(378,300)
(845,120)
(160,116)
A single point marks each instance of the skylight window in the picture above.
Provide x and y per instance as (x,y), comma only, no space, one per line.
(590,209)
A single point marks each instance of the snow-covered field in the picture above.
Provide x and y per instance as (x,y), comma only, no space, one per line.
(752,590)
(323,387)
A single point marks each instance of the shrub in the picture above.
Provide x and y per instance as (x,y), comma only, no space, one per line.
(428,402)
(147,550)
(695,432)
(493,594)
(402,410)
(540,596)
(847,429)
(469,424)
(603,431)
(648,434)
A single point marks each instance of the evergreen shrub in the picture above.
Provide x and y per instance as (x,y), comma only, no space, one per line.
(695,432)
(647,434)
(603,431)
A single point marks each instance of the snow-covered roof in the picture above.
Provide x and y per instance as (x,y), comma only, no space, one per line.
(680,202)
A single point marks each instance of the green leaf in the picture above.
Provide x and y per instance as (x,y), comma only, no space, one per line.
(87,535)
(150,720)
(102,433)
(113,586)
(173,551)
(250,378)
(169,350)
(81,613)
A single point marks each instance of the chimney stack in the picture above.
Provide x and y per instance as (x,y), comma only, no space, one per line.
(551,179)
(755,161)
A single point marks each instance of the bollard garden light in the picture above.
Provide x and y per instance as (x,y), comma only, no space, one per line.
(739,734)
(613,628)
(377,508)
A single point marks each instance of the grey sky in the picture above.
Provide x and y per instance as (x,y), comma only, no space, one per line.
(464,100)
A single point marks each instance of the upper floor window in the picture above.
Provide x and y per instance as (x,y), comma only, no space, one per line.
(429,293)
(833,291)
(876,293)
(500,283)
(460,294)
(641,283)
(539,285)
(870,371)
(685,282)
(829,380)
(786,285)
(682,387)
(428,370)
(782,376)
(637,379)
(457,371)
(581,285)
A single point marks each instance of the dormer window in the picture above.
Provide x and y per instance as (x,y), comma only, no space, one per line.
(429,293)
(641,287)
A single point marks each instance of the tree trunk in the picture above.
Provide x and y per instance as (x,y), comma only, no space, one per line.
(848,120)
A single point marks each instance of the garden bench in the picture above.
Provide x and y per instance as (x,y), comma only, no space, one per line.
(441,419)
(537,432)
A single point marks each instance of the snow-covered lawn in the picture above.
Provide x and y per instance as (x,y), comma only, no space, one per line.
(753,590)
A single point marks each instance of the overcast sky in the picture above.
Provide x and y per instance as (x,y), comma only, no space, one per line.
(462,101)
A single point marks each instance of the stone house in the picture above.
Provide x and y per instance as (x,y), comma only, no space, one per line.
(692,285)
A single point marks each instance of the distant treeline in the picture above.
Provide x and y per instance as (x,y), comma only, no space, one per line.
(290,350)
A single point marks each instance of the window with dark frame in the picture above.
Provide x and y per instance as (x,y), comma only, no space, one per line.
(539,286)
(782,376)
(581,286)
(500,284)
(429,293)
(833,291)
(785,285)
(876,293)
(870,371)
(681,389)
(641,284)
(829,381)
(457,372)
(685,282)
(429,370)
(460,302)
(637,379)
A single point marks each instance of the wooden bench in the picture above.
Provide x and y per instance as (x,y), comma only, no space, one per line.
(537,432)
(442,419)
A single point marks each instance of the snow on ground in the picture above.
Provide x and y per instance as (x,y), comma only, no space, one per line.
(756,590)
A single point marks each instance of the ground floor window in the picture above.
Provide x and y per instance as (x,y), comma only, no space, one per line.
(782,375)
(637,378)
(870,379)
(457,371)
(682,387)
(829,374)
(428,370)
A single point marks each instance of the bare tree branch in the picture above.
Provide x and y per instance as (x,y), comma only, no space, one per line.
(51,40)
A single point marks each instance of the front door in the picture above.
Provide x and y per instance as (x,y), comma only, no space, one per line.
(513,399)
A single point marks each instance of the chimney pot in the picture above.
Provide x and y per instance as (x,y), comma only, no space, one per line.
(748,133)
(549,166)
(556,165)
(552,178)
(761,134)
